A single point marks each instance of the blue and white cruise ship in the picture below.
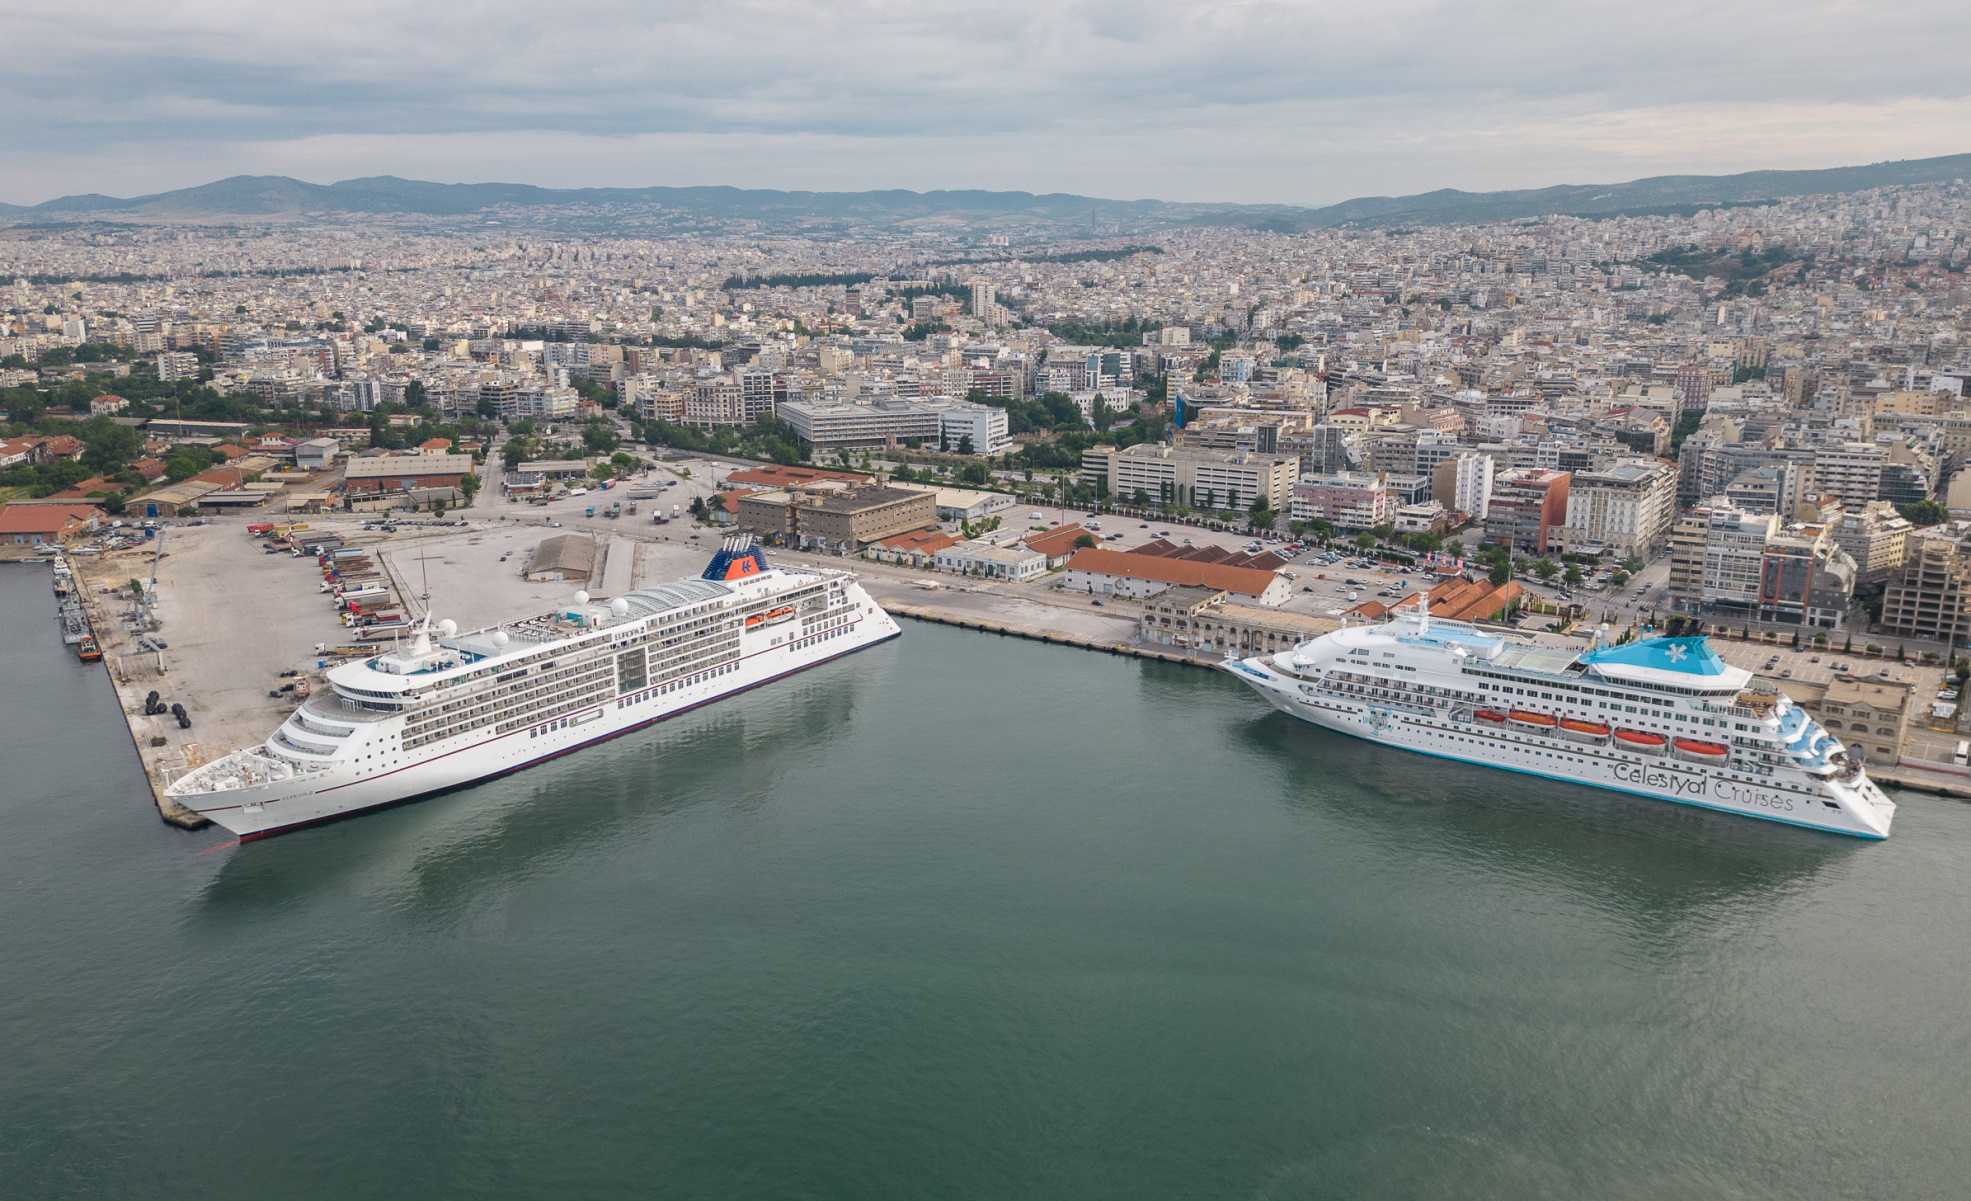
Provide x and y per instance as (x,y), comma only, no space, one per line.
(1664,717)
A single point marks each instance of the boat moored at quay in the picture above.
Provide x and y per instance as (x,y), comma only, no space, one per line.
(447,708)
(1662,717)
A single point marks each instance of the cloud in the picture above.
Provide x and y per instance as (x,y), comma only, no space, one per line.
(1263,100)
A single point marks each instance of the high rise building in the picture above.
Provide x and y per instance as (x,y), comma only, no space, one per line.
(1693,388)
(1471,489)
(1876,538)
(1851,471)
(1528,504)
(1930,596)
(1625,509)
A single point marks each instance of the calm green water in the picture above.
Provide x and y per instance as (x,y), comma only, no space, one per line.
(965,917)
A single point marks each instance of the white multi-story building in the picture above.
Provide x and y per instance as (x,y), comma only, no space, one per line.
(1191,475)
(983,426)
(1626,509)
(1734,553)
(1876,538)
(888,421)
(550,404)
(1472,491)
(175,365)
(1851,471)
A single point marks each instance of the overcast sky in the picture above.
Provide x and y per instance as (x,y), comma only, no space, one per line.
(1303,103)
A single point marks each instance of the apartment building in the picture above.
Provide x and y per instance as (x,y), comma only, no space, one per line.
(1851,471)
(1876,538)
(716,401)
(1744,566)
(1527,505)
(1730,550)
(1930,595)
(1771,489)
(1464,484)
(1350,500)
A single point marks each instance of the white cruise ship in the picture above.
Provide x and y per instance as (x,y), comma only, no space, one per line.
(1663,717)
(450,708)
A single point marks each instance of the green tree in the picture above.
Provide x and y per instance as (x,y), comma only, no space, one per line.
(1632,564)
(600,437)
(381,433)
(513,453)
(182,467)
(108,447)
(1546,569)
(1365,540)
(1572,576)
(469,485)
(1084,540)
(1924,513)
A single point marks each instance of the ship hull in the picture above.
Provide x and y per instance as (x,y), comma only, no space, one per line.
(314,798)
(1832,806)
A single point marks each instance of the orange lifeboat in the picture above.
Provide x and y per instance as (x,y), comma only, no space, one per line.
(1583,731)
(1702,752)
(769,617)
(1544,721)
(1491,715)
(1642,740)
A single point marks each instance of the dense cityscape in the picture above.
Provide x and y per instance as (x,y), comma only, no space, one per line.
(1774,394)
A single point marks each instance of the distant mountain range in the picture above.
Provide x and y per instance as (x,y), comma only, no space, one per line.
(277,197)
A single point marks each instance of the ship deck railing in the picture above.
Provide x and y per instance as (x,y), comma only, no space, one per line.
(331,706)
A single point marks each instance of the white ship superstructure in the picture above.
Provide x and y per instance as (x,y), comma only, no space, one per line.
(1662,717)
(452,707)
